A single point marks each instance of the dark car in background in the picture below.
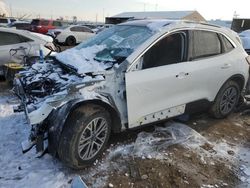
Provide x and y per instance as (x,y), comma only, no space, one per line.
(23,25)
(42,25)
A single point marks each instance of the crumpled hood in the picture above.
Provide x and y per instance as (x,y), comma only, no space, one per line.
(83,60)
(42,80)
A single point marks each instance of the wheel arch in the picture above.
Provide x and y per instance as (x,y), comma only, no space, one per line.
(114,114)
(59,117)
(238,78)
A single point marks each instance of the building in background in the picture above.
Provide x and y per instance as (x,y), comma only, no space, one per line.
(172,15)
(240,24)
(4,10)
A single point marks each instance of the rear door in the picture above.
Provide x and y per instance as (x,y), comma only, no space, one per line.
(211,61)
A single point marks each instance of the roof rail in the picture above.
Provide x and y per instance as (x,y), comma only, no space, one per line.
(202,23)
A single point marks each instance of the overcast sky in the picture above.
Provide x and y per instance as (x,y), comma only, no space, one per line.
(92,9)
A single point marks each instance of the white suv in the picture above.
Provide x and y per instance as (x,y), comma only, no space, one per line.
(130,75)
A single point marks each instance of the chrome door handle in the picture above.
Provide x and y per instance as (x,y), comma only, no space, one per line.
(226,66)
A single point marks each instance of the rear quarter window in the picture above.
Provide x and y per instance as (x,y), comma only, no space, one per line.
(227,45)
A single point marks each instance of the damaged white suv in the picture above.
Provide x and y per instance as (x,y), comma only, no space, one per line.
(132,74)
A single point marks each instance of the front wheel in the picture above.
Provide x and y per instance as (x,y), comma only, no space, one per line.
(85,136)
(226,100)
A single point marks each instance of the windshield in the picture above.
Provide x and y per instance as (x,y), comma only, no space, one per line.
(119,41)
(104,50)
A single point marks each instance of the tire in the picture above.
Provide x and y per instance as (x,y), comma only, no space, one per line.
(70,41)
(226,100)
(74,149)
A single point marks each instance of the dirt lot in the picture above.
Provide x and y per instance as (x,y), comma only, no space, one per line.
(200,152)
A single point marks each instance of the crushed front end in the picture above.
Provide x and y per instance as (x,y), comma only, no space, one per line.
(47,92)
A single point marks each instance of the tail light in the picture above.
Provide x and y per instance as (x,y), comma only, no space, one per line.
(248,59)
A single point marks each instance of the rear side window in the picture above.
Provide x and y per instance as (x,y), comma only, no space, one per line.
(2,20)
(85,29)
(77,29)
(227,45)
(205,44)
(9,38)
(24,39)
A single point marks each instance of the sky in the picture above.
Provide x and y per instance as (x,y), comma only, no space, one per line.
(96,10)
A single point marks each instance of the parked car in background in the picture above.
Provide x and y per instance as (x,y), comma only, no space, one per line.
(71,35)
(245,38)
(24,43)
(22,25)
(42,25)
(6,21)
(130,75)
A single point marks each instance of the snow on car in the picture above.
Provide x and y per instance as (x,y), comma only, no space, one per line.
(71,35)
(132,74)
(24,42)
(245,38)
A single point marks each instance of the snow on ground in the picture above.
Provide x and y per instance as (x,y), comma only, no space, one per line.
(24,170)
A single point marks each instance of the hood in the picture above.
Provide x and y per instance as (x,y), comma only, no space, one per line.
(85,60)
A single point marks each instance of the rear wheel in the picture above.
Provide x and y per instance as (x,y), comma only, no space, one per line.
(85,136)
(226,100)
(70,41)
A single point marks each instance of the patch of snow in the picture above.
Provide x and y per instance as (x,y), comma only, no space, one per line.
(24,170)
(157,26)
(83,59)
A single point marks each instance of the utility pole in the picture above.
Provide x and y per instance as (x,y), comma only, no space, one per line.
(103,15)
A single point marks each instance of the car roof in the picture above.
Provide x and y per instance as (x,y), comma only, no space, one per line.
(156,24)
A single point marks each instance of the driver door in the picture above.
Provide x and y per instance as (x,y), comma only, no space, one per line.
(163,85)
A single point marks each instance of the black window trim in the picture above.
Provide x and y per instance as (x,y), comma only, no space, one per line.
(185,35)
(136,60)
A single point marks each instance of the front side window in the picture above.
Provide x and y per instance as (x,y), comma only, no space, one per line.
(169,50)
(9,38)
(205,44)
